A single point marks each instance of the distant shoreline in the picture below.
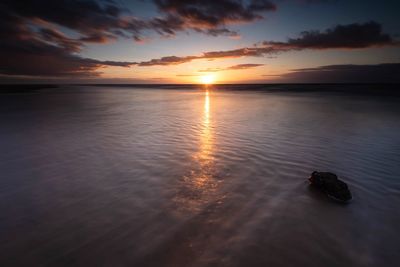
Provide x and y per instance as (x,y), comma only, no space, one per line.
(352,88)
(24,88)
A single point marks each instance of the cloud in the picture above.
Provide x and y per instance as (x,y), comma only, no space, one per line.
(46,52)
(51,61)
(212,14)
(32,45)
(223,31)
(94,20)
(235,53)
(379,73)
(34,30)
(57,38)
(211,70)
(350,36)
(36,34)
(188,75)
(105,20)
(166,61)
(206,16)
(244,66)
(234,67)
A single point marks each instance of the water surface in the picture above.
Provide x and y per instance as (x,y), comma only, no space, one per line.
(119,176)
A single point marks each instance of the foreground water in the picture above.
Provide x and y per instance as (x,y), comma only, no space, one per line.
(101,176)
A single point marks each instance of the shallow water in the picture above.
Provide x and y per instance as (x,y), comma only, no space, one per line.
(101,176)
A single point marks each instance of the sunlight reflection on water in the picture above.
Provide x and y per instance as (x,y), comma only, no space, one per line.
(200,183)
(205,154)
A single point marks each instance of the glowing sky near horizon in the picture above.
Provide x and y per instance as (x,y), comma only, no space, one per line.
(124,41)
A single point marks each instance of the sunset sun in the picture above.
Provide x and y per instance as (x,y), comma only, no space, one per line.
(207,79)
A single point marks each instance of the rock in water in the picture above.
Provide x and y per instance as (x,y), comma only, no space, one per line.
(331,185)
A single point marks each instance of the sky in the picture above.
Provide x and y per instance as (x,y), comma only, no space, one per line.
(195,41)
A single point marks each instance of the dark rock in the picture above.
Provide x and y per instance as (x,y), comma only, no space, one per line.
(331,185)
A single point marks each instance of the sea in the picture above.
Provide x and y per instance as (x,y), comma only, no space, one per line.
(195,175)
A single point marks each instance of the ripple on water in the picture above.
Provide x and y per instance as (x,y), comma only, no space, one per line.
(148,177)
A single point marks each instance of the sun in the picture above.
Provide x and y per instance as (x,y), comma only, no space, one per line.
(207,79)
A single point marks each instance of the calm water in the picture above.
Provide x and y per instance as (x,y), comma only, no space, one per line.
(101,176)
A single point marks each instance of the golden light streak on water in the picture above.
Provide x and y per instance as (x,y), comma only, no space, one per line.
(205,154)
(199,184)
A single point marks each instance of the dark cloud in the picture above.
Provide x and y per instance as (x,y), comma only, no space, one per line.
(51,61)
(207,16)
(167,25)
(101,38)
(351,36)
(234,67)
(58,38)
(211,70)
(166,61)
(235,53)
(222,31)
(241,52)
(33,46)
(244,66)
(95,20)
(45,52)
(33,43)
(211,13)
(103,21)
(314,1)
(380,73)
